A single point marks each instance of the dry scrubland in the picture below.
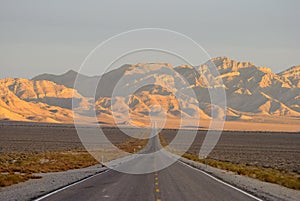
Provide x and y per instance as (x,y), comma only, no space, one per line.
(19,167)
(271,157)
(29,149)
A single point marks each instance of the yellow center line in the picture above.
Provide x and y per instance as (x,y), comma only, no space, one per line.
(156,182)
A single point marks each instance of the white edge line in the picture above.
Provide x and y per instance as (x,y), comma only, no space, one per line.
(227,184)
(104,171)
(70,185)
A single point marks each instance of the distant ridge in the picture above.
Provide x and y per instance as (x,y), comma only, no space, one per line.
(68,79)
(292,74)
(253,93)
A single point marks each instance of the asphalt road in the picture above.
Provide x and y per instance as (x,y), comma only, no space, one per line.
(177,182)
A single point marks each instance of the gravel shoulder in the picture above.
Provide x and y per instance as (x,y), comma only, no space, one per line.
(49,182)
(266,191)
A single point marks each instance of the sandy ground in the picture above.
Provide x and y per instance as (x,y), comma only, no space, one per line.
(260,126)
(258,123)
(265,149)
(277,126)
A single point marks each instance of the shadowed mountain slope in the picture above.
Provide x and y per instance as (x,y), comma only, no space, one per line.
(156,89)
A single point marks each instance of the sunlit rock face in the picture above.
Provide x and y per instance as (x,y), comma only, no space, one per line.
(252,92)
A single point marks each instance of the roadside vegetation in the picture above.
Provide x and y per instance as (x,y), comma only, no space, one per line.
(19,167)
(281,177)
(133,145)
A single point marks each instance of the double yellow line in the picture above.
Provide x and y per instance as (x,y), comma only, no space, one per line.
(157,191)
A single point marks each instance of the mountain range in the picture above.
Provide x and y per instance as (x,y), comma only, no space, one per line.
(253,93)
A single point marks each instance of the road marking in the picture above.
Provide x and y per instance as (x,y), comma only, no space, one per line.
(70,185)
(222,182)
(156,181)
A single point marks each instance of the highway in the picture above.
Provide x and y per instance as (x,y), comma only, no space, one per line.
(178,182)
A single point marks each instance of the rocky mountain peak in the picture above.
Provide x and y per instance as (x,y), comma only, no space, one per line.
(293,71)
(292,74)
(227,64)
(251,92)
(154,65)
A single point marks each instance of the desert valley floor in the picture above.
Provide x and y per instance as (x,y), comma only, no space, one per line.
(267,149)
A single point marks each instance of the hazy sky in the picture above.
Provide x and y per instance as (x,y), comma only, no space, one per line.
(55,36)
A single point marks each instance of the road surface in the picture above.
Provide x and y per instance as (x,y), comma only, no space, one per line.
(178,182)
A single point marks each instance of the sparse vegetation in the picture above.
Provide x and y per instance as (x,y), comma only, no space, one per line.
(281,177)
(19,167)
(133,145)
(284,178)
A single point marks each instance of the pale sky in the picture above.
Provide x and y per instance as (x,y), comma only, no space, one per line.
(56,36)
